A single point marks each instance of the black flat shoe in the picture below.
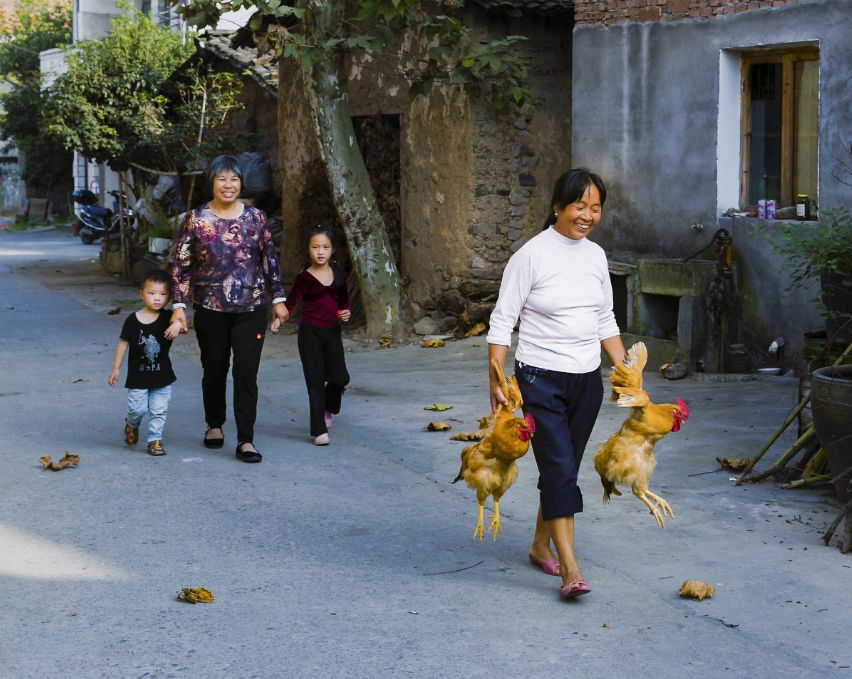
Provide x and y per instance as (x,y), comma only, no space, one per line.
(212,442)
(248,455)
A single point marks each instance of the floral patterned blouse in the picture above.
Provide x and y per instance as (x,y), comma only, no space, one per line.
(225,264)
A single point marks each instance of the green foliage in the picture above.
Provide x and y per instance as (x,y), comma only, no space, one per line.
(40,26)
(812,249)
(435,49)
(108,105)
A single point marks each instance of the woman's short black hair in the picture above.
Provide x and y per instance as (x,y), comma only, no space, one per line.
(223,164)
(570,187)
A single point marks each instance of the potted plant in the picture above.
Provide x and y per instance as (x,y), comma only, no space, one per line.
(823,251)
(160,239)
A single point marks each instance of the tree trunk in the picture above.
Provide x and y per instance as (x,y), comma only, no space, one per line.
(354,199)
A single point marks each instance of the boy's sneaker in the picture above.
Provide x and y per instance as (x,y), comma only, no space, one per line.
(156,448)
(131,434)
(327,418)
(321,440)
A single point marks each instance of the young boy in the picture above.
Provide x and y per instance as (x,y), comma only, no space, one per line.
(149,336)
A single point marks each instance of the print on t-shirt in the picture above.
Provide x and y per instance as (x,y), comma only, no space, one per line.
(151,350)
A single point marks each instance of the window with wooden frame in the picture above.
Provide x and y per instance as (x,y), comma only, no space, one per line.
(780,121)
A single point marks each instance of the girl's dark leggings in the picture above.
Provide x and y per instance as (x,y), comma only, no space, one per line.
(321,351)
(219,334)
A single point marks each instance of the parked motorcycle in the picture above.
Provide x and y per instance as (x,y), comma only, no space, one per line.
(95,221)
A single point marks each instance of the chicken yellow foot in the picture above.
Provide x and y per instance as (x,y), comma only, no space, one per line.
(652,508)
(494,526)
(661,503)
(478,531)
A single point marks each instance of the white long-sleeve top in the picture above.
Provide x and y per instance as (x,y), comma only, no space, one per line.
(561,290)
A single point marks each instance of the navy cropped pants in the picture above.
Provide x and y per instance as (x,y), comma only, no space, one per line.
(564,407)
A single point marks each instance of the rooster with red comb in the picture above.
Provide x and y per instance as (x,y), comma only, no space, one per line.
(488,467)
(627,457)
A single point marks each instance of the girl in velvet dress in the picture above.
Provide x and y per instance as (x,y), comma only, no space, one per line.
(325,302)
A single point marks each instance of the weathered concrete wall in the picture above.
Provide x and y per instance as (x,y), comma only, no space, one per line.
(647,119)
(649,114)
(769,306)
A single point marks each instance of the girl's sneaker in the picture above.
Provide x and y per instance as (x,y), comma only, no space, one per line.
(327,418)
(321,440)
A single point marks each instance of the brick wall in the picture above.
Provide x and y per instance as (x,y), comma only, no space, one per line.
(618,11)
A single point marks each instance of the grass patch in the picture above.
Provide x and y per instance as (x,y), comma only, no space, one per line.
(128,304)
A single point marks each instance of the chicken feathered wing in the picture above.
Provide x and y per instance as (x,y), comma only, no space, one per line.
(488,466)
(627,457)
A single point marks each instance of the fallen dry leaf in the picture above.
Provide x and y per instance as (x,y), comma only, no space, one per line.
(735,464)
(439,407)
(438,426)
(468,436)
(432,344)
(477,329)
(385,341)
(77,380)
(696,589)
(67,460)
(195,595)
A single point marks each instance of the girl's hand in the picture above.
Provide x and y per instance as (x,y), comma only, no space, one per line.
(113,377)
(344,315)
(175,329)
(281,315)
(179,316)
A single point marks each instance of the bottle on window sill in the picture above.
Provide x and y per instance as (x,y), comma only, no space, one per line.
(803,207)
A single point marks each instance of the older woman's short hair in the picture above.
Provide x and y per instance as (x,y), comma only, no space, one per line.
(222,164)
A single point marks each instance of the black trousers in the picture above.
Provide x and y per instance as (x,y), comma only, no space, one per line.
(564,407)
(324,365)
(220,334)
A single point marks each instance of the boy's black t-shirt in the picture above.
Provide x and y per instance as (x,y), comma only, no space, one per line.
(148,363)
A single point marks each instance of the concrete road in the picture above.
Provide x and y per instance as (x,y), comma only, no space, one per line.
(356,560)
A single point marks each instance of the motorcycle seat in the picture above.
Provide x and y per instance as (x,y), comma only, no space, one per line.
(98,211)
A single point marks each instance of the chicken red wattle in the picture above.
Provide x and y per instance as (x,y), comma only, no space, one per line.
(681,414)
(526,430)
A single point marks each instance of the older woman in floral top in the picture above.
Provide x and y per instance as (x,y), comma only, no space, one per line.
(225,264)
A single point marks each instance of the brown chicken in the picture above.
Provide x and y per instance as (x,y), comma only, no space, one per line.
(627,457)
(488,467)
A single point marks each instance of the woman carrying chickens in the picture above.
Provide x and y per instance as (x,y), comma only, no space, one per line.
(558,284)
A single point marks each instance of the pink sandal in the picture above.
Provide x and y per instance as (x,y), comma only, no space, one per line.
(574,589)
(549,567)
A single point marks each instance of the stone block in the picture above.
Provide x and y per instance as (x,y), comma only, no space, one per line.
(426,326)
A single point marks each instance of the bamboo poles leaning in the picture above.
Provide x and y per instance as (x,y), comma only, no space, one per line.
(800,443)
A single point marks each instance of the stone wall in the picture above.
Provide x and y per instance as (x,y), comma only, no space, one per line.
(609,12)
(516,159)
(473,180)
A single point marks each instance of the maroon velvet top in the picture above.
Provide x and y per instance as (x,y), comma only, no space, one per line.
(320,303)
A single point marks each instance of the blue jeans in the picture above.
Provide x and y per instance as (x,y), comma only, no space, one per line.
(564,407)
(155,402)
